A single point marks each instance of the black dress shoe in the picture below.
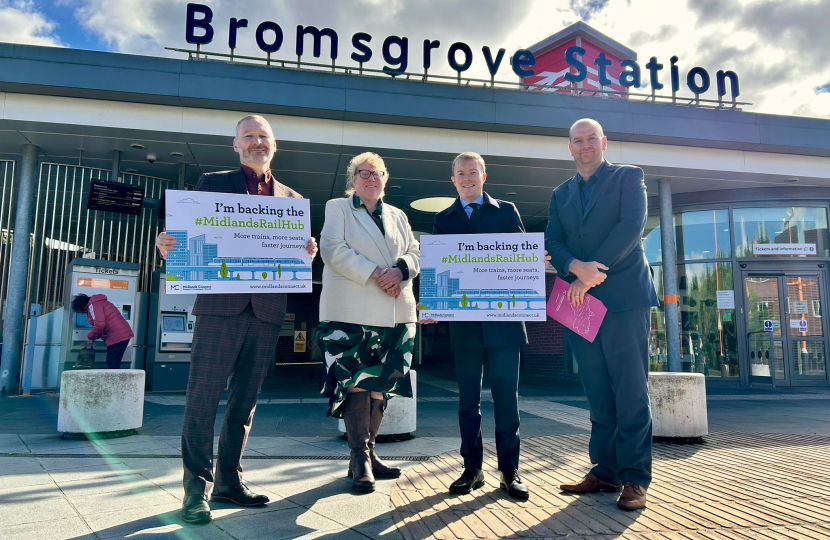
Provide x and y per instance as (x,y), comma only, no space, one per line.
(239,495)
(195,509)
(511,482)
(470,479)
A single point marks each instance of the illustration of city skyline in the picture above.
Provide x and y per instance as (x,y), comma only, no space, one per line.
(439,290)
(195,259)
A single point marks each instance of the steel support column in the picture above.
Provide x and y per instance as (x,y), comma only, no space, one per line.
(669,275)
(182,176)
(116,165)
(18,273)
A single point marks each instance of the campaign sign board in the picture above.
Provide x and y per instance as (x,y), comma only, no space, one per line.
(483,277)
(229,243)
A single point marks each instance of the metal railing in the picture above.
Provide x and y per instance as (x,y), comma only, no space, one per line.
(65,229)
(458,80)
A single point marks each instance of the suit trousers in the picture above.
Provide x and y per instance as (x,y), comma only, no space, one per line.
(240,347)
(614,372)
(504,384)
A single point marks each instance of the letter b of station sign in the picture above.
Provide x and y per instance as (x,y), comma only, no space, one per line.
(575,63)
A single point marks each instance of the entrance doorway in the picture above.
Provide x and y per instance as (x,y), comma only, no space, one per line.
(786,331)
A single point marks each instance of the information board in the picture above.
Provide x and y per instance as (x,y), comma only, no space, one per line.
(111,197)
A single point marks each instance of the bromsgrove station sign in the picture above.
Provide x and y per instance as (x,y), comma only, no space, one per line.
(395,50)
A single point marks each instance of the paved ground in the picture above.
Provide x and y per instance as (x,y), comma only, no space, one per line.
(131,487)
(721,489)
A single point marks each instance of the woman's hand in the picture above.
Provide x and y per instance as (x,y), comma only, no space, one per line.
(393,291)
(391,278)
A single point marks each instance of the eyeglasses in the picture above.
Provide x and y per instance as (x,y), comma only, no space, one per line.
(379,175)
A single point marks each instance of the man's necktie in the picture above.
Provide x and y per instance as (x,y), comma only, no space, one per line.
(475,206)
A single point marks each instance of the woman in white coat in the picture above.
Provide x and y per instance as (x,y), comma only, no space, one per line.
(367,311)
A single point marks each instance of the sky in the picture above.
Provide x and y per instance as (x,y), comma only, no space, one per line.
(778,48)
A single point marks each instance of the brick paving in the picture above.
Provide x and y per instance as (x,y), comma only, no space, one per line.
(734,486)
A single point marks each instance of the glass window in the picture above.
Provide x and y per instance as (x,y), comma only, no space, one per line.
(697,235)
(657,344)
(651,240)
(708,339)
(702,235)
(781,225)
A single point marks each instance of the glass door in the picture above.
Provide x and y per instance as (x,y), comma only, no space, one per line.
(766,339)
(803,295)
(785,325)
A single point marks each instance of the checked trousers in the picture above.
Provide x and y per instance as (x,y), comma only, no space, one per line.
(240,347)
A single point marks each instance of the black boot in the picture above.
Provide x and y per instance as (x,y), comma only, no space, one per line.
(356,417)
(379,468)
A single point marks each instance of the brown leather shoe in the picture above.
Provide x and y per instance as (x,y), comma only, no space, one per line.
(633,497)
(590,484)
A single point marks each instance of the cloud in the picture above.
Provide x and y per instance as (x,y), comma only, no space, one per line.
(663,33)
(776,47)
(585,9)
(147,26)
(711,11)
(23,23)
(799,27)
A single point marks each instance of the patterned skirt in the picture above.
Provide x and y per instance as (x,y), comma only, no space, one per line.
(373,358)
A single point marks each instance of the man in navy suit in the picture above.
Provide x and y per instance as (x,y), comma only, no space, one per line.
(476,212)
(595,227)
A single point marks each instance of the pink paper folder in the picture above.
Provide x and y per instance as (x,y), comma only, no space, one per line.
(583,320)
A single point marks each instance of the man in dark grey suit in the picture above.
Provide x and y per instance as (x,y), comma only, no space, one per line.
(475,212)
(235,336)
(595,225)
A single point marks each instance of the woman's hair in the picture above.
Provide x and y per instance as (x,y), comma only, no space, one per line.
(366,157)
(79,303)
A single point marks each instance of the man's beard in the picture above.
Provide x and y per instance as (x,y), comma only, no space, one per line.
(256,158)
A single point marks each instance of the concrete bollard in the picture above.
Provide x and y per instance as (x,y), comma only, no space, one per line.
(678,405)
(401,413)
(100,403)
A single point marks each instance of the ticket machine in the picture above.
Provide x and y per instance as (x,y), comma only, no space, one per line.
(170,338)
(119,282)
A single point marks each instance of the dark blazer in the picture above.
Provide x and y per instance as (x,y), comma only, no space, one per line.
(609,231)
(494,216)
(267,307)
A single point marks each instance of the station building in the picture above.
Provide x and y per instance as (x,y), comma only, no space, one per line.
(745,195)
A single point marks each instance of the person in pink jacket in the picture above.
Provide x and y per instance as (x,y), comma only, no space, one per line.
(107,324)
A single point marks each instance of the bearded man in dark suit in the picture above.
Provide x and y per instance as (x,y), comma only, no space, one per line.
(235,336)
(595,225)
